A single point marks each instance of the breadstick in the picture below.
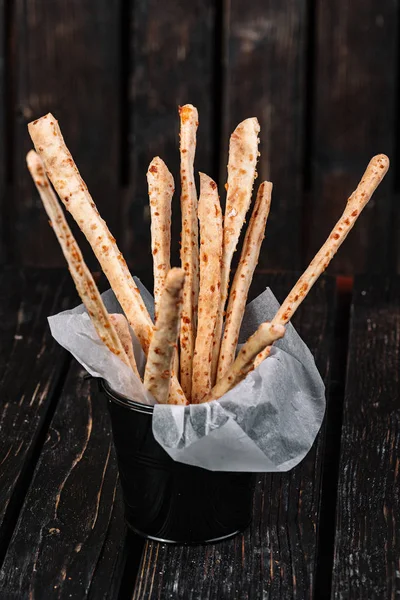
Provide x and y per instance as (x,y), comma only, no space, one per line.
(189,249)
(265,336)
(210,218)
(243,277)
(84,282)
(64,175)
(372,177)
(157,375)
(243,152)
(161,190)
(122,328)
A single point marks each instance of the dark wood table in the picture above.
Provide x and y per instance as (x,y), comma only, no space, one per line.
(328,528)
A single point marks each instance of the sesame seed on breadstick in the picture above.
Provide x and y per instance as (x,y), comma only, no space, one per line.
(189,248)
(157,375)
(265,336)
(375,172)
(243,277)
(243,152)
(83,279)
(161,189)
(210,218)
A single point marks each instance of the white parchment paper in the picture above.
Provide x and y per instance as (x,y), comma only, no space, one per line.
(267,423)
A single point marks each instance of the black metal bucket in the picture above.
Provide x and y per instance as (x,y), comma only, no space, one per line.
(166,500)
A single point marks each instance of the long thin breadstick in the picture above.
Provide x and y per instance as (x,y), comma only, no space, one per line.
(243,152)
(72,190)
(84,282)
(243,277)
(122,328)
(210,218)
(159,364)
(265,336)
(161,190)
(372,177)
(189,249)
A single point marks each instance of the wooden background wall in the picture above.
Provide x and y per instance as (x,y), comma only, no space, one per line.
(322,78)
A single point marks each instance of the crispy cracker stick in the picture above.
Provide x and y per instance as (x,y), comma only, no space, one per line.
(71,188)
(243,151)
(121,326)
(189,249)
(265,336)
(84,282)
(372,177)
(161,190)
(65,177)
(210,218)
(243,277)
(157,375)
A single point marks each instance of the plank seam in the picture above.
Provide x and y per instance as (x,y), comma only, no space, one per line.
(330,473)
(18,497)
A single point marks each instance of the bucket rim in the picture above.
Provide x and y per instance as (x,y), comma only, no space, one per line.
(124,401)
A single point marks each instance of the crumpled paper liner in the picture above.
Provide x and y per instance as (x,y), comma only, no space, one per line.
(267,423)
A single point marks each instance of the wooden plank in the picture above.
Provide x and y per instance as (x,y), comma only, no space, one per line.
(2,118)
(355,112)
(265,77)
(367,546)
(107,576)
(276,557)
(31,367)
(172,63)
(62,545)
(67,59)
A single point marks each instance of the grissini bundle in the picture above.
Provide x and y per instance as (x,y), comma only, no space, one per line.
(189,120)
(210,218)
(243,153)
(243,277)
(161,190)
(84,282)
(375,172)
(157,375)
(64,175)
(193,298)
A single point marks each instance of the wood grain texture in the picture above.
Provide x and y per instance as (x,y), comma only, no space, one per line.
(3,16)
(353,119)
(264,78)
(67,62)
(31,367)
(367,545)
(276,557)
(172,63)
(107,576)
(61,543)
